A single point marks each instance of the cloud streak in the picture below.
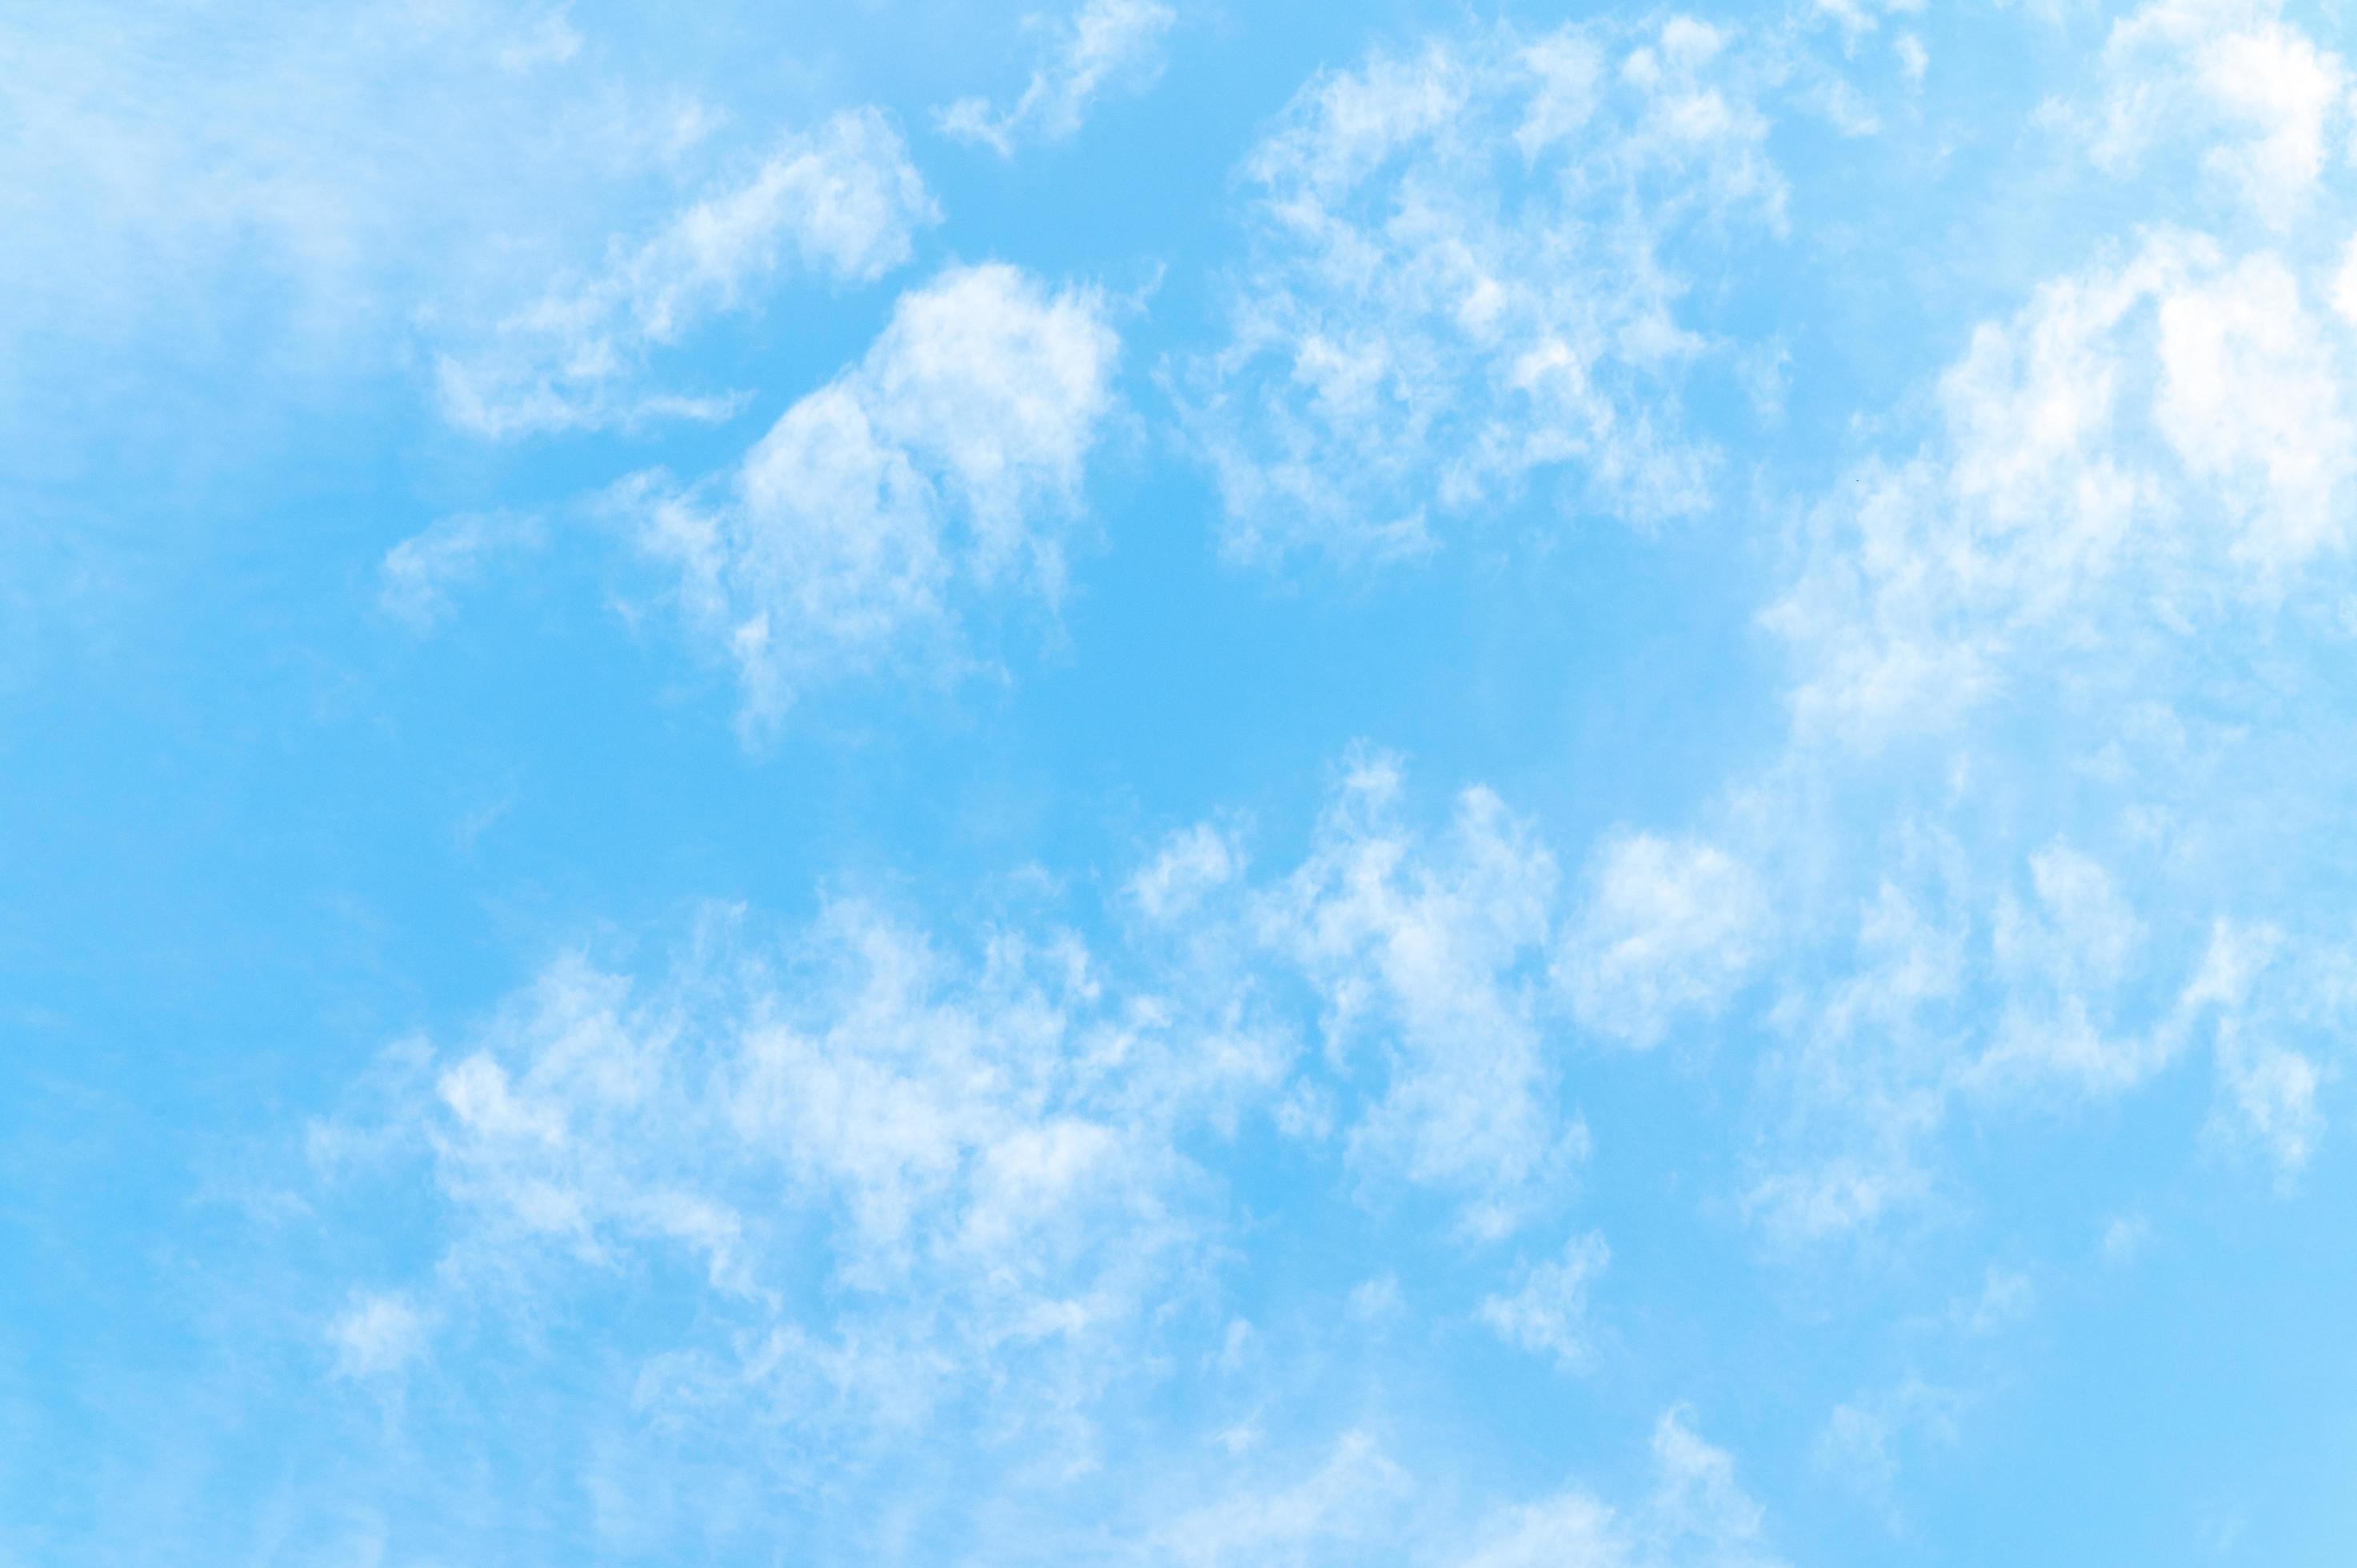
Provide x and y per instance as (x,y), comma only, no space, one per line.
(1106,46)
(841,204)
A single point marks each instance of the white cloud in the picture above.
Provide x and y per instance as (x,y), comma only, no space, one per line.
(376,1335)
(947,464)
(981,1151)
(2255,403)
(1695,1514)
(907,1173)
(842,203)
(2269,1095)
(1857,18)
(1574,1530)
(1546,1312)
(2054,682)
(1355,1504)
(2125,1238)
(2064,958)
(1352,1501)
(1914,58)
(275,185)
(2006,1297)
(2254,91)
(1430,953)
(1194,864)
(2041,1004)
(2172,433)
(1868,1440)
(2263,990)
(2344,285)
(1105,45)
(418,576)
(1864,1439)
(1826,1198)
(1463,280)
(1668,927)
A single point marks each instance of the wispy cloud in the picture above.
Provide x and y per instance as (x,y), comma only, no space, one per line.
(419,576)
(1353,1502)
(1546,1312)
(841,204)
(1105,46)
(1466,277)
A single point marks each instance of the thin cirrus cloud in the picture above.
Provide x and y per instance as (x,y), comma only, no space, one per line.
(1352,1500)
(1105,46)
(164,164)
(947,464)
(1546,1311)
(420,578)
(839,204)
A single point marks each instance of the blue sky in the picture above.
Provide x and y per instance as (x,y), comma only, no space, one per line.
(1171,783)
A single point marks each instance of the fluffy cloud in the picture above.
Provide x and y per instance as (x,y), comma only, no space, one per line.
(907,1176)
(2149,448)
(1465,277)
(981,1150)
(946,463)
(1864,1439)
(1105,45)
(2028,1002)
(2045,826)
(1668,927)
(1193,865)
(841,203)
(1433,954)
(2265,107)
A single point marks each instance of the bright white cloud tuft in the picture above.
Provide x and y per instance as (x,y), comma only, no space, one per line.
(2267,106)
(2041,832)
(1192,866)
(946,463)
